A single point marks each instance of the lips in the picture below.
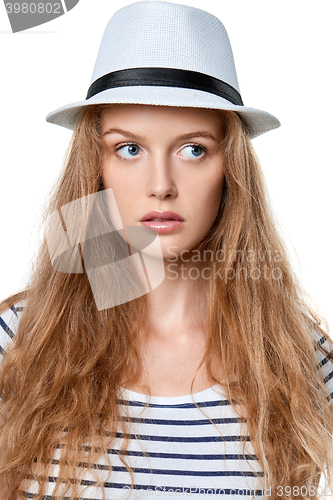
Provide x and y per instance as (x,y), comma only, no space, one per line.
(160,216)
(162,222)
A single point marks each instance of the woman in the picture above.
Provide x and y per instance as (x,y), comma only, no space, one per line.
(235,365)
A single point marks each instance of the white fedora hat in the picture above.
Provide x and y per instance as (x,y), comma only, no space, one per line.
(160,53)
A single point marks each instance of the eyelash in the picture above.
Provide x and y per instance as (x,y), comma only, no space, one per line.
(204,148)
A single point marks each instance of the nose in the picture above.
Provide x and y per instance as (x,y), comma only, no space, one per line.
(161,177)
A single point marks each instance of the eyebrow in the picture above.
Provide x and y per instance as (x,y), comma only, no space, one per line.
(199,133)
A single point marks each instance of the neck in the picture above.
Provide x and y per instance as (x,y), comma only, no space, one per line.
(180,300)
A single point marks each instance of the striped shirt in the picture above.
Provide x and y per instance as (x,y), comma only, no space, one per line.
(174,450)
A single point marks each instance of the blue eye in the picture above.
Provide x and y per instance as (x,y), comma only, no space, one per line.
(132,149)
(196,150)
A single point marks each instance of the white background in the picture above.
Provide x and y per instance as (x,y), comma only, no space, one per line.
(283,55)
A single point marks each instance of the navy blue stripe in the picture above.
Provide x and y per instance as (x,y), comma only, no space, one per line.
(328,377)
(203,473)
(172,439)
(168,472)
(321,341)
(2,351)
(6,328)
(325,359)
(204,404)
(322,363)
(13,308)
(230,420)
(188,456)
(45,497)
(164,455)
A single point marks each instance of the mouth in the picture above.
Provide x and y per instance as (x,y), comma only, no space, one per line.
(160,216)
(162,222)
(159,220)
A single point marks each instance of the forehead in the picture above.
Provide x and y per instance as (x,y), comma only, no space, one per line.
(150,116)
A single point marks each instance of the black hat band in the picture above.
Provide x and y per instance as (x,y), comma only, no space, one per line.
(165,77)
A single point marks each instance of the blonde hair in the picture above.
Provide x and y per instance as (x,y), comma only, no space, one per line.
(65,364)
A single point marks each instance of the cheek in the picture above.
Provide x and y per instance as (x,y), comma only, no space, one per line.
(207,198)
(119,197)
(125,184)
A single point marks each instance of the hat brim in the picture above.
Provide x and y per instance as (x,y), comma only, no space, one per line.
(258,122)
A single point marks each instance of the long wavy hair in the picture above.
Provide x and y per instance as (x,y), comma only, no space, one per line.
(60,376)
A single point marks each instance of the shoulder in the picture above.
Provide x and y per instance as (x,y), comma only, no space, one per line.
(9,320)
(323,346)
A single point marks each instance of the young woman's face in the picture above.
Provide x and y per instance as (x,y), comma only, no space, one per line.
(164,159)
